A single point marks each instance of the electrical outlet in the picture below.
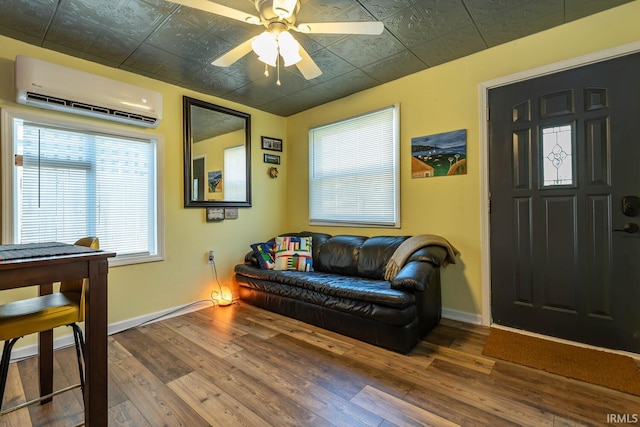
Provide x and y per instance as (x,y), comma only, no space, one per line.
(211,259)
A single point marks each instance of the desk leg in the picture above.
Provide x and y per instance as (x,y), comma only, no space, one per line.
(45,354)
(95,394)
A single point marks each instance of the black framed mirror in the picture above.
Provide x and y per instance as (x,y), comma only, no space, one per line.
(217,155)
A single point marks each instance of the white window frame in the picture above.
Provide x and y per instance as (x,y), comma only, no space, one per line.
(395,159)
(9,196)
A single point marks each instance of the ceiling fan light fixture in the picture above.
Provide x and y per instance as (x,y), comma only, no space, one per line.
(284,8)
(266,47)
(289,48)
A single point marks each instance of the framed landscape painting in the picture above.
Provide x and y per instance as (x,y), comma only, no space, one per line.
(215,181)
(439,155)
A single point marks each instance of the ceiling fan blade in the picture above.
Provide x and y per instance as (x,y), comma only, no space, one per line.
(370,27)
(307,66)
(234,54)
(219,9)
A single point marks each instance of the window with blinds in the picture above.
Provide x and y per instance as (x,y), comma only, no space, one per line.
(354,171)
(235,169)
(70,183)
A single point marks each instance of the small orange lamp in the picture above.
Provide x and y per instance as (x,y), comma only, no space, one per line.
(223,297)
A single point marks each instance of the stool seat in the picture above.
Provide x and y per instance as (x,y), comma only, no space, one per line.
(38,314)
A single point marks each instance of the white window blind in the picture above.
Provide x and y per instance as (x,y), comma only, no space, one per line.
(76,183)
(354,171)
(235,169)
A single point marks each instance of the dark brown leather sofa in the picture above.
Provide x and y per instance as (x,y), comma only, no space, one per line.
(347,293)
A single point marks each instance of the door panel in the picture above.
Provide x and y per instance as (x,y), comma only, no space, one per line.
(564,152)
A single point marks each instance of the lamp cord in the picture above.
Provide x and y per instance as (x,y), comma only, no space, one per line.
(221,297)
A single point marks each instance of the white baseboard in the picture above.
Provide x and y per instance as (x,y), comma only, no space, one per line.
(113,328)
(462,316)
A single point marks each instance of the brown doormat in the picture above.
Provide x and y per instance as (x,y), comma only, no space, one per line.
(609,370)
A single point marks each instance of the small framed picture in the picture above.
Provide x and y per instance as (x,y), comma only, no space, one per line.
(230,213)
(273,144)
(273,159)
(215,214)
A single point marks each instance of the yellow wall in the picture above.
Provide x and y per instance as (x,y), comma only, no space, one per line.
(441,99)
(436,100)
(184,275)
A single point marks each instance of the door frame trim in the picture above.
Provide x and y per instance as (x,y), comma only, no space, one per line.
(483,105)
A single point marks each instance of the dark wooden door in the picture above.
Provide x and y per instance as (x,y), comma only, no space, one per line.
(564,159)
(199,179)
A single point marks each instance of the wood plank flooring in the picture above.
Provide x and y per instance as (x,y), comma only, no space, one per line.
(243,366)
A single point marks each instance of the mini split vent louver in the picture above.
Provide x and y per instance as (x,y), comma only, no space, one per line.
(55,87)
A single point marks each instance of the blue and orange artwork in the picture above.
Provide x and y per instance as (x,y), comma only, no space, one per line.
(215,182)
(439,155)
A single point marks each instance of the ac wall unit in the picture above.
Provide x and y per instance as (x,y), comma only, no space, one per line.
(55,87)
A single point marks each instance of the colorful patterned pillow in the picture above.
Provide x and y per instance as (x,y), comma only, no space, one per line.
(293,253)
(265,254)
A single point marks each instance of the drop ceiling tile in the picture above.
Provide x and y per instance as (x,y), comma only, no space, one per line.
(215,23)
(576,9)
(134,18)
(151,61)
(480,9)
(184,39)
(26,21)
(352,82)
(394,67)
(361,50)
(450,46)
(213,81)
(75,36)
(330,64)
(313,96)
(517,22)
(122,32)
(332,11)
(427,20)
(307,43)
(236,34)
(254,94)
(284,106)
(382,9)
(109,48)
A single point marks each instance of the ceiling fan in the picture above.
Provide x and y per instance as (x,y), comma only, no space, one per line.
(278,17)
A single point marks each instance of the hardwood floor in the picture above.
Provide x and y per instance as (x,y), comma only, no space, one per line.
(241,365)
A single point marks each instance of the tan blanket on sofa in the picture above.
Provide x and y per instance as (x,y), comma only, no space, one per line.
(411,245)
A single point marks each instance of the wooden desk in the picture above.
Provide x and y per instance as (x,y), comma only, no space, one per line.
(44,271)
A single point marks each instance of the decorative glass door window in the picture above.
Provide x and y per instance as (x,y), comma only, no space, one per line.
(557,156)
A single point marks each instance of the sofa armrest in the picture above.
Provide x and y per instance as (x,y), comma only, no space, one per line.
(433,254)
(250,259)
(415,276)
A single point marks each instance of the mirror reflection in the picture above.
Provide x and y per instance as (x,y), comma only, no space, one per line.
(217,155)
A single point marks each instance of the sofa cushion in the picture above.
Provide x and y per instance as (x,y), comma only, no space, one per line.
(317,240)
(265,255)
(293,253)
(361,309)
(339,255)
(366,290)
(375,253)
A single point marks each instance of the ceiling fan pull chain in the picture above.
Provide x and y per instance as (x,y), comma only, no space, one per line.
(278,71)
(266,70)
